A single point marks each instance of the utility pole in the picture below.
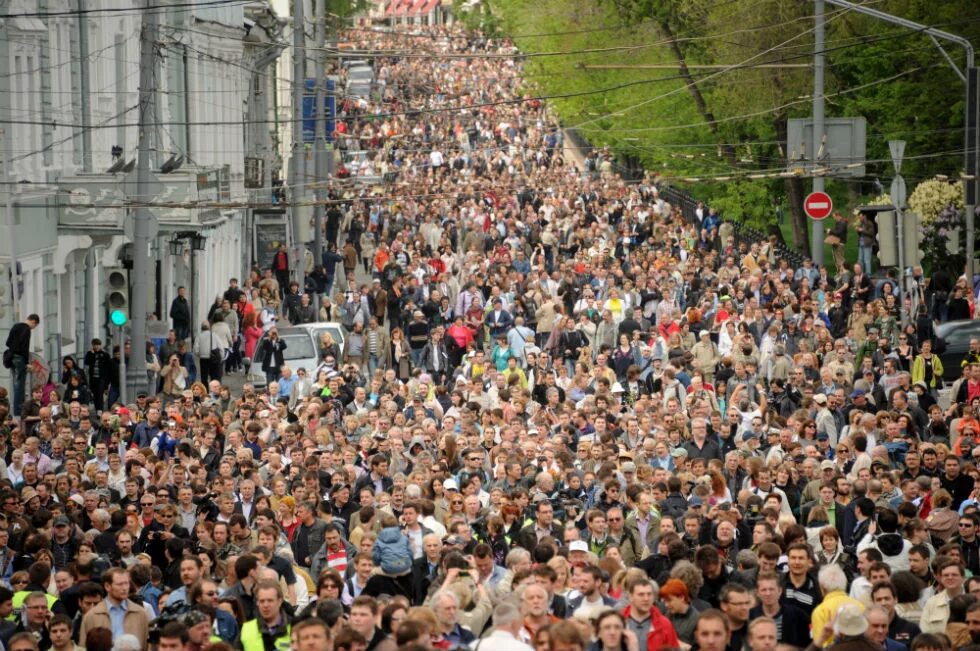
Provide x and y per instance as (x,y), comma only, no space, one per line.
(136,378)
(298,166)
(9,181)
(816,225)
(320,143)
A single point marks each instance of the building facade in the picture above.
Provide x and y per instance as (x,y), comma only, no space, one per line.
(69,107)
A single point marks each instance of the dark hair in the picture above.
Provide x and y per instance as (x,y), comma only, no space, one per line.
(244,565)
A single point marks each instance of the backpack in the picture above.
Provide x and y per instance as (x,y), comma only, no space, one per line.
(392,552)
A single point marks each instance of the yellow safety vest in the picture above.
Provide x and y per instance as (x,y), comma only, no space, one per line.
(251,637)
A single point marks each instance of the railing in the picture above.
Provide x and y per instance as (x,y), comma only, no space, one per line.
(688,204)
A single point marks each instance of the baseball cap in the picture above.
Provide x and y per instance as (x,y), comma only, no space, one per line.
(704,333)
(578,546)
(827,464)
(820,399)
(823,436)
(629,466)
(857,393)
(694,501)
(678,452)
(450,485)
(62,521)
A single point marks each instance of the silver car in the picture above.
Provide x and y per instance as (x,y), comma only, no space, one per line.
(302,348)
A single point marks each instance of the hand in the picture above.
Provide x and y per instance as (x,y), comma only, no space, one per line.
(451,575)
(826,634)
(632,643)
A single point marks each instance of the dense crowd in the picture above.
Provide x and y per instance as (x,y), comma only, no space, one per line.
(562,417)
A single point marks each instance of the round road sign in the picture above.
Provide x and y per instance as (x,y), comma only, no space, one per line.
(818,205)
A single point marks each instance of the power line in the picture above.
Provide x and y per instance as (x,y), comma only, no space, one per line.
(129,11)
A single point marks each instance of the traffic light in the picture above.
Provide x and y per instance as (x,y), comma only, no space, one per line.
(912,237)
(887,238)
(117,299)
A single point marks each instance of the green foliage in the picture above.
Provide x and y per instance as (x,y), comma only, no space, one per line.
(480,17)
(748,202)
(892,76)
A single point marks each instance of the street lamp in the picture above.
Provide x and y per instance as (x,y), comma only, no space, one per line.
(198,242)
(176,245)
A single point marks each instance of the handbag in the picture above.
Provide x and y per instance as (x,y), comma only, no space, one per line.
(8,358)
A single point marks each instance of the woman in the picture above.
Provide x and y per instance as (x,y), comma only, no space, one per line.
(287,516)
(272,358)
(251,332)
(69,368)
(943,521)
(399,357)
(928,368)
(329,347)
(905,351)
(612,634)
(677,601)
(623,357)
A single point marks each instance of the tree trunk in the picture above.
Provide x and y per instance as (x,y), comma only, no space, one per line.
(728,151)
(794,197)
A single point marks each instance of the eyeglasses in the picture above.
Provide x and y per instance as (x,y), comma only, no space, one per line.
(146,503)
(614,519)
(457,502)
(211,593)
(966,524)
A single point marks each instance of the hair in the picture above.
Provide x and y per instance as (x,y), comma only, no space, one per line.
(567,633)
(675,588)
(715,614)
(831,578)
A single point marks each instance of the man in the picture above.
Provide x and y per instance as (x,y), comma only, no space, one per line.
(899,629)
(59,631)
(506,630)
(363,619)
(34,621)
(736,603)
(712,631)
(955,482)
(534,607)
(190,573)
(425,568)
(792,625)
(878,630)
(833,585)
(969,541)
(246,576)
(645,620)
(542,527)
(762,634)
(378,478)
(336,553)
(445,605)
(116,612)
(180,313)
(17,355)
(800,589)
(99,366)
(246,500)
(270,630)
(311,634)
(587,580)
(309,535)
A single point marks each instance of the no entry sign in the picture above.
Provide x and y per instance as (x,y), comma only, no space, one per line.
(818,205)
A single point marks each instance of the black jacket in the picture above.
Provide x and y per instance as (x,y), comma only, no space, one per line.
(273,359)
(529,540)
(180,311)
(19,340)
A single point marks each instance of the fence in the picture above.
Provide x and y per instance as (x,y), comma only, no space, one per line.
(630,170)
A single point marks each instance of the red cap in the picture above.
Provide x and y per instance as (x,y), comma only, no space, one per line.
(122,411)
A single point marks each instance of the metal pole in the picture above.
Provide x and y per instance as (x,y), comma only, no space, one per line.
(816,226)
(902,280)
(136,377)
(8,177)
(320,146)
(121,336)
(297,168)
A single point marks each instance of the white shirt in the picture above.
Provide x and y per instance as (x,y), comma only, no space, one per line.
(499,641)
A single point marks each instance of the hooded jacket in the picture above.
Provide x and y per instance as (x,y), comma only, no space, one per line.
(894,549)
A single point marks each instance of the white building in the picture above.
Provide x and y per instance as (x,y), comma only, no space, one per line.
(69,106)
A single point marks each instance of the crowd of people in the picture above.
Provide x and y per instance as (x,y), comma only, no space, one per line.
(561,418)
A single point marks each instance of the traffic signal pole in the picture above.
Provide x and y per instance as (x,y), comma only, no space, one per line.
(136,378)
(816,225)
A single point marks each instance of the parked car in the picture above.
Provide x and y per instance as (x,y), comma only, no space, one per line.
(302,348)
(956,336)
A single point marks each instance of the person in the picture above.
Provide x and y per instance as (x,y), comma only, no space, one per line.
(17,355)
(935,613)
(506,628)
(180,314)
(272,627)
(837,239)
(117,612)
(712,631)
(99,366)
(272,350)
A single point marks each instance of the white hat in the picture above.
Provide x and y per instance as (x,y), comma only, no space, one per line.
(820,399)
(578,546)
(450,485)
(851,620)
(704,333)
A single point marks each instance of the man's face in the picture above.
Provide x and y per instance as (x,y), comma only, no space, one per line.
(268,603)
(886,599)
(973,625)
(119,588)
(737,607)
(968,530)
(60,635)
(710,635)
(768,592)
(87,603)
(362,620)
(535,601)
(37,612)
(762,637)
(799,561)
(918,564)
(312,638)
(190,573)
(170,644)
(877,626)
